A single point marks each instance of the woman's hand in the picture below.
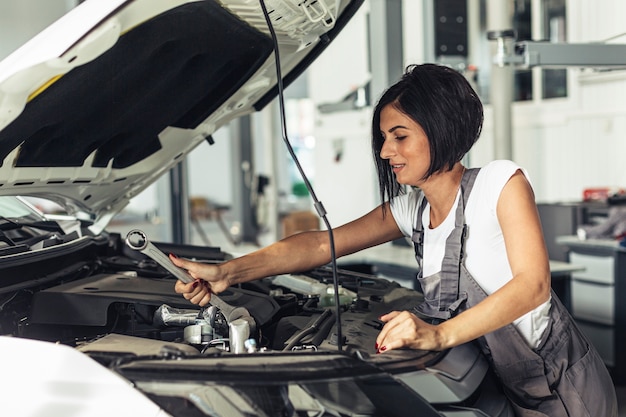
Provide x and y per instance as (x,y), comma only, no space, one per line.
(405,330)
(208,280)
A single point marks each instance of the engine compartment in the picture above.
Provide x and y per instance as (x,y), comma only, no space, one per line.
(113,290)
(119,307)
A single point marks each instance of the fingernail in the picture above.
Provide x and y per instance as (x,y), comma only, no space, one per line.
(195,284)
(382,349)
(173,256)
(376,346)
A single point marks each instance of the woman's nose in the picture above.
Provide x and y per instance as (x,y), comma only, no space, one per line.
(386,150)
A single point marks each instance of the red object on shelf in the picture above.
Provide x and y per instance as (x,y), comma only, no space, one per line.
(596,194)
(601,193)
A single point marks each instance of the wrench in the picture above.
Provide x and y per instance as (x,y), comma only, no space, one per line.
(137,240)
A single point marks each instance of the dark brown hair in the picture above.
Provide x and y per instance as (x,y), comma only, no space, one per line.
(447,108)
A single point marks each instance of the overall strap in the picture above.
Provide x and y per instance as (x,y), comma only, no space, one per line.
(418,233)
(453,256)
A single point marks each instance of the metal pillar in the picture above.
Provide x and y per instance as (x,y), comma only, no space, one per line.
(385,45)
(243,180)
(386,58)
(500,18)
(179,203)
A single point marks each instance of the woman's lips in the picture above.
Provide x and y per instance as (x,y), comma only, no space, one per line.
(396,167)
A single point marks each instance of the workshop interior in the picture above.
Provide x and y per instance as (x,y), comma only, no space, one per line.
(130,129)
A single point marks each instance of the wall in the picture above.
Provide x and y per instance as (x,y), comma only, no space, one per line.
(23,19)
(567,145)
(344,170)
(345,178)
(571,144)
(209,169)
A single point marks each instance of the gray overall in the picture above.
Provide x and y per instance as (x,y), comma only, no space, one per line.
(564,376)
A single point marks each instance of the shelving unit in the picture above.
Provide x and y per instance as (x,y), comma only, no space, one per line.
(597,297)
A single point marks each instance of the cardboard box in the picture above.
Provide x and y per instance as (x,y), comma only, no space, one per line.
(299,221)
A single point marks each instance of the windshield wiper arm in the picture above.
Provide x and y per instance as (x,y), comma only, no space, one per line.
(48,225)
(9,224)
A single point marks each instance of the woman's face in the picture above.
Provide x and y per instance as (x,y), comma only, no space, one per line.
(405,146)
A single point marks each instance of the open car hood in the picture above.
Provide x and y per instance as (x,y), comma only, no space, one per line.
(111,96)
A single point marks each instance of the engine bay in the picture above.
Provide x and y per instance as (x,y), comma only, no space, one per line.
(119,307)
(113,290)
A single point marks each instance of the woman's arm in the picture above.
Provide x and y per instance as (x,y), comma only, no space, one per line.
(300,252)
(529,287)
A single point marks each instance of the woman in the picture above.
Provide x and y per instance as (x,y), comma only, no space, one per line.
(478,240)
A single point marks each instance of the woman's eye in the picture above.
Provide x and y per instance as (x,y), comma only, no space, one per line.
(400,137)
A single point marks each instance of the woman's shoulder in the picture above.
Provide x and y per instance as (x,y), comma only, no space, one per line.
(497,173)
(499,167)
(490,182)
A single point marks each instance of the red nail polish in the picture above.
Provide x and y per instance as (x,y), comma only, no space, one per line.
(173,256)
(383,348)
(195,284)
(376,346)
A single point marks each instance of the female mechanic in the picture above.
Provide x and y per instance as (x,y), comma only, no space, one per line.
(484,268)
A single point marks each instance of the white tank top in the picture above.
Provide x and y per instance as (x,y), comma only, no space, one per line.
(486,259)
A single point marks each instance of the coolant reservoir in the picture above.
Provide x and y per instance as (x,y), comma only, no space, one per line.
(345,297)
(312,287)
(300,284)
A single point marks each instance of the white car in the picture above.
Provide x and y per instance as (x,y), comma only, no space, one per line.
(94,110)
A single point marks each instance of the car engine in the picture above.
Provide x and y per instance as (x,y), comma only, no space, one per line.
(101,287)
(119,307)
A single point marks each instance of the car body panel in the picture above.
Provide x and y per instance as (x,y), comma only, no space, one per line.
(136,85)
(57,380)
